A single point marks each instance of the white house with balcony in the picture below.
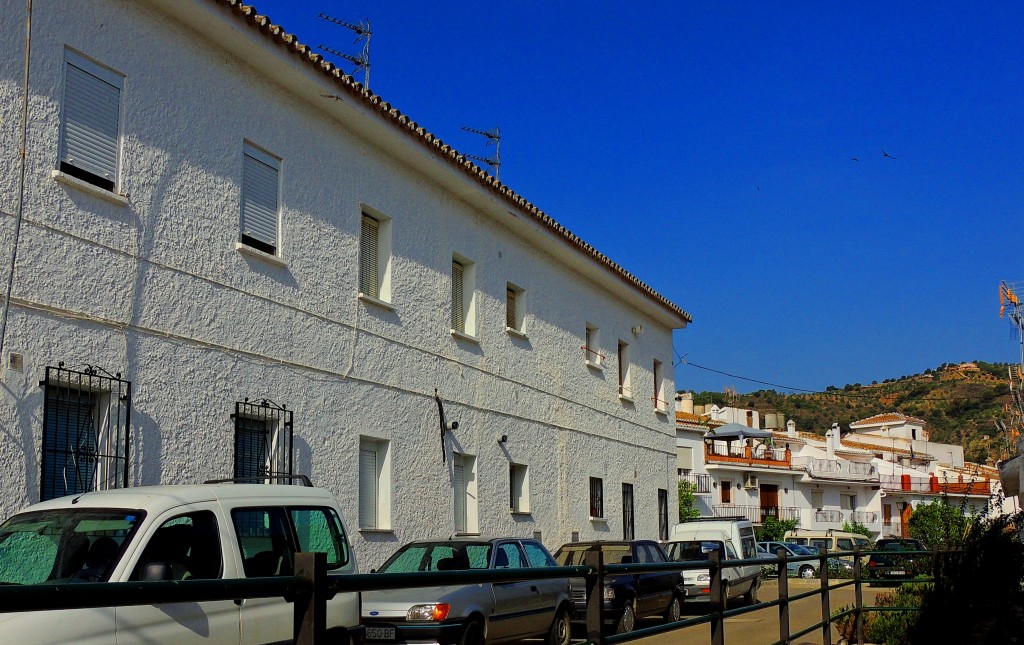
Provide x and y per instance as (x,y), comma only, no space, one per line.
(236,261)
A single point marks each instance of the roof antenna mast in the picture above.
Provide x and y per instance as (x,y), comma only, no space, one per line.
(363,33)
(493,138)
(1009,298)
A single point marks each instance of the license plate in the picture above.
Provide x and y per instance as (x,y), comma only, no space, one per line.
(380,633)
(898,572)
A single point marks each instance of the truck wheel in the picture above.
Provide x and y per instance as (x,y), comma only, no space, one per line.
(561,631)
(674,611)
(627,622)
(806,571)
(473,634)
(751,595)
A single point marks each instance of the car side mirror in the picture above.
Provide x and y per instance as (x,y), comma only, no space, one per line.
(156,572)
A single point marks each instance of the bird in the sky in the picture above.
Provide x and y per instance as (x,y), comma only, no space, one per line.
(854,159)
(887,155)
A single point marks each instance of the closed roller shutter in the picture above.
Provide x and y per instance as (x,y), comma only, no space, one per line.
(260,200)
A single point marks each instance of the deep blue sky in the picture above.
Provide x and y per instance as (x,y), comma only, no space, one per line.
(707,148)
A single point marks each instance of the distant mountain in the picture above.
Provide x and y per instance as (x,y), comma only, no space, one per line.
(959,401)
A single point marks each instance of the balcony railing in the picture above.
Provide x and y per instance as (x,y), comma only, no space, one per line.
(701,481)
(892,528)
(756,514)
(935,485)
(747,455)
(836,468)
(828,517)
(864,517)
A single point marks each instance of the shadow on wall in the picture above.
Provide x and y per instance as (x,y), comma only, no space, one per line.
(28,410)
(147,450)
(303,456)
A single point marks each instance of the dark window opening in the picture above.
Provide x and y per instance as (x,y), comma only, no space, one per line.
(263,440)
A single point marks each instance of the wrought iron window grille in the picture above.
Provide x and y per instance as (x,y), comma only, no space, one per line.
(263,440)
(86,421)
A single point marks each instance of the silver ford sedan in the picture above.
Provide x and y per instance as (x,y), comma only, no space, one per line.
(470,614)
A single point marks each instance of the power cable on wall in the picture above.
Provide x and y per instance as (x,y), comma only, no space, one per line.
(21,181)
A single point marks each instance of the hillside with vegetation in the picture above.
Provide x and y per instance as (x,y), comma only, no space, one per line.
(960,403)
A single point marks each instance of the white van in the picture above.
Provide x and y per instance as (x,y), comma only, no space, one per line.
(198,532)
(733,537)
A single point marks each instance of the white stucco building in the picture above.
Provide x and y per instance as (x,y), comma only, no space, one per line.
(234,260)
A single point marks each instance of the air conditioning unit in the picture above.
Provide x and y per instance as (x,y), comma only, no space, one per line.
(749,480)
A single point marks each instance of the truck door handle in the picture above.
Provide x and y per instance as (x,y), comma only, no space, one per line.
(240,601)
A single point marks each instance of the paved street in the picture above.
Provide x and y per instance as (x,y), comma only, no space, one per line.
(762,627)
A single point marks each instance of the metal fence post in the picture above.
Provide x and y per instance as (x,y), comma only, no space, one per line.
(936,566)
(717,598)
(783,575)
(858,597)
(826,608)
(311,604)
(595,595)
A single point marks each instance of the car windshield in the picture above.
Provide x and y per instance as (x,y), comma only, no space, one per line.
(439,556)
(568,556)
(694,550)
(901,546)
(64,545)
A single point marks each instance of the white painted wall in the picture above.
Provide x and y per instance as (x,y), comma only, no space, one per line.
(157,291)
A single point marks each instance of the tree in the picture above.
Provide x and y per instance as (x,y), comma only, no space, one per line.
(773,529)
(939,524)
(857,527)
(687,501)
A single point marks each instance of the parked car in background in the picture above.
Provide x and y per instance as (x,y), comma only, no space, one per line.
(197,532)
(802,569)
(470,614)
(733,538)
(831,540)
(629,596)
(895,562)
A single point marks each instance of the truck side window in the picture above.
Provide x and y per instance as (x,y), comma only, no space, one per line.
(845,544)
(319,530)
(188,544)
(749,548)
(265,540)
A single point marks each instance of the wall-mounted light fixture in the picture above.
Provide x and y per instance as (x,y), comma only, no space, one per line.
(637,330)
(503,438)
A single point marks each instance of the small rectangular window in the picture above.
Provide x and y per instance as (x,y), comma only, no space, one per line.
(369,246)
(519,488)
(90,126)
(464,493)
(592,347)
(596,497)
(817,499)
(374,484)
(660,403)
(625,372)
(627,511)
(726,488)
(463,304)
(514,308)
(261,201)
(662,514)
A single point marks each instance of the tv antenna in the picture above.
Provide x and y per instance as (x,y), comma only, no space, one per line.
(363,33)
(1009,299)
(493,138)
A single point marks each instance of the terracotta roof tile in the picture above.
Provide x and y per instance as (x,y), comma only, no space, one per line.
(696,419)
(355,89)
(886,417)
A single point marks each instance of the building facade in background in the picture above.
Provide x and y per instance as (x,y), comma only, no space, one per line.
(235,262)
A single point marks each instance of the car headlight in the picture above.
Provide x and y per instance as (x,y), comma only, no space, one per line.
(609,593)
(704,577)
(428,612)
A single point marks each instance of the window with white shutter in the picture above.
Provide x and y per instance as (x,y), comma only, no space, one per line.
(261,202)
(459,485)
(519,488)
(90,125)
(464,493)
(374,484)
(463,317)
(369,260)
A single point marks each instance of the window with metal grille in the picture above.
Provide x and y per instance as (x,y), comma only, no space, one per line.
(596,497)
(627,511)
(458,307)
(662,514)
(86,417)
(260,199)
(263,441)
(90,125)
(369,257)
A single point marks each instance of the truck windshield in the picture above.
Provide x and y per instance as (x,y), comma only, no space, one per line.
(695,550)
(64,545)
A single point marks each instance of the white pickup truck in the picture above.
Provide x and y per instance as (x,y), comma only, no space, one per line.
(194,532)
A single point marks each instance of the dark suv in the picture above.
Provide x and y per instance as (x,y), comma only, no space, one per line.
(895,563)
(627,596)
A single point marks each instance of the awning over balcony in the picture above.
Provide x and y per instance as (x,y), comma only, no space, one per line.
(736,432)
